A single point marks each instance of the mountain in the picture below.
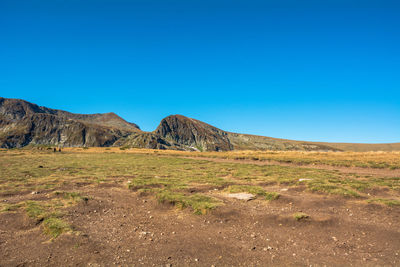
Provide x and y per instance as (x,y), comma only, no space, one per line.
(23,123)
(16,109)
(193,134)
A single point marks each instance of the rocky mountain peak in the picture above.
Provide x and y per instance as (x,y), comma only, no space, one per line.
(193,133)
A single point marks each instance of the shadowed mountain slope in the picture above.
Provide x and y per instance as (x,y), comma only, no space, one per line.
(193,134)
(23,123)
(16,109)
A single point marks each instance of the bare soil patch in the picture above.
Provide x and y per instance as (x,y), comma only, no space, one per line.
(120,227)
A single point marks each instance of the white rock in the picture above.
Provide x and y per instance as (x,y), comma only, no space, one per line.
(242,196)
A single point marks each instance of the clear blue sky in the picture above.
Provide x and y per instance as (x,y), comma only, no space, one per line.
(305,70)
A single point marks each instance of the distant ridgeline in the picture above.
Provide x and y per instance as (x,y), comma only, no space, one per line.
(23,123)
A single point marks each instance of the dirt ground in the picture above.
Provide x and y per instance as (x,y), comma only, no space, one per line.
(120,227)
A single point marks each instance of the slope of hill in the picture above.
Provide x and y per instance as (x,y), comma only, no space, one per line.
(254,142)
(193,134)
(16,109)
(23,123)
(356,147)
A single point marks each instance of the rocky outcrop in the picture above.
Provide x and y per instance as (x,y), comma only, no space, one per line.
(193,134)
(23,123)
(51,130)
(16,109)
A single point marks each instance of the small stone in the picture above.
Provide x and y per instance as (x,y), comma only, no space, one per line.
(242,196)
(196,259)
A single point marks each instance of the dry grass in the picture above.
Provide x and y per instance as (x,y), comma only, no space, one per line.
(380,159)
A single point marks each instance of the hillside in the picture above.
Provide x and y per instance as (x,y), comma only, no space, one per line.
(23,123)
(193,134)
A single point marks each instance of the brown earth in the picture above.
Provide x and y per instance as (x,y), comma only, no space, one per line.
(120,227)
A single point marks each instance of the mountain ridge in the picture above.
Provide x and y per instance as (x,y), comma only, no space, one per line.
(23,123)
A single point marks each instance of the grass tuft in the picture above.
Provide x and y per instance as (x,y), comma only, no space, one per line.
(200,204)
(271,196)
(35,210)
(331,188)
(300,216)
(54,226)
(11,207)
(74,196)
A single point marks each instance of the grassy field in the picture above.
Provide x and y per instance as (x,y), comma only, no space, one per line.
(376,160)
(184,182)
(379,160)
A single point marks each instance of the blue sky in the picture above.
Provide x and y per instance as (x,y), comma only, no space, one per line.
(315,70)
